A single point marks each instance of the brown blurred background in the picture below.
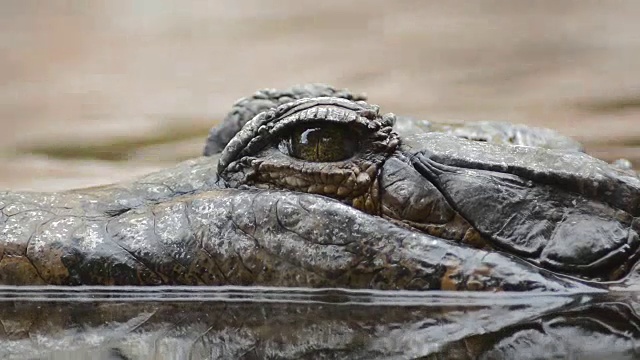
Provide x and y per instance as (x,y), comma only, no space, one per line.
(96,92)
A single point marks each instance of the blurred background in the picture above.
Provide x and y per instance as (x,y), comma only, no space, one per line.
(97,92)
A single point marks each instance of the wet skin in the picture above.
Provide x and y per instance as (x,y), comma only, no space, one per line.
(327,192)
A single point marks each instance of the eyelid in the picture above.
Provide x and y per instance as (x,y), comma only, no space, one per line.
(264,128)
(286,128)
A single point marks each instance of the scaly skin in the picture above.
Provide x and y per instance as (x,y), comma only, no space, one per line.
(233,237)
(226,220)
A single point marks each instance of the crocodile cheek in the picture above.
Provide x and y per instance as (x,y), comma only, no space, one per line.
(408,197)
(550,227)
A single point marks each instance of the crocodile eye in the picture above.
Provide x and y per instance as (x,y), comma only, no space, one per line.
(320,143)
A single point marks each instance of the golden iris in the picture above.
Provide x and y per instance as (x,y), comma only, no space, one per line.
(320,143)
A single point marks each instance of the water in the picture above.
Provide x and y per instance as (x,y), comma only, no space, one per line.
(257,323)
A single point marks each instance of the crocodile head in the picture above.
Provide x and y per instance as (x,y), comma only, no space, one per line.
(561,210)
(318,189)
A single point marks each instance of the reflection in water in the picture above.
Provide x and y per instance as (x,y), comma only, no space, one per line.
(257,323)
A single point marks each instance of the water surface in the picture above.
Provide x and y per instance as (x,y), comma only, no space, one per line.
(258,323)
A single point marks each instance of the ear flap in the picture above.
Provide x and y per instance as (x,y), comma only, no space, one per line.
(550,226)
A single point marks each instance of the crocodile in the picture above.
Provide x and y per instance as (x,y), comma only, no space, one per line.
(314,187)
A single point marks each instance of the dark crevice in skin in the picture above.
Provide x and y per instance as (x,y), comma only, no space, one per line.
(145,201)
(240,229)
(185,212)
(280,224)
(378,183)
(117,212)
(222,183)
(176,194)
(116,353)
(405,224)
(26,248)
